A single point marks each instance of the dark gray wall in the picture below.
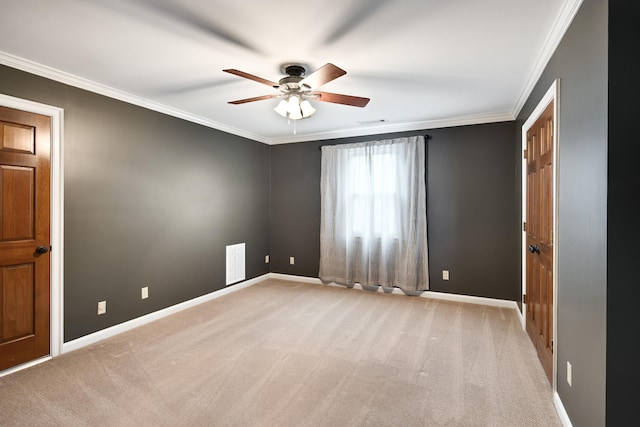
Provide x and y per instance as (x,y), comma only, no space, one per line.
(623,293)
(295,208)
(473,228)
(150,200)
(471,190)
(153,200)
(580,62)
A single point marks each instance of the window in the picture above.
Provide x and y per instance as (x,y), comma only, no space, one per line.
(373,220)
(373,195)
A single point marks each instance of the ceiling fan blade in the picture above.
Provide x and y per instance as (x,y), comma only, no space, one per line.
(337,98)
(322,75)
(359,14)
(256,98)
(192,18)
(251,77)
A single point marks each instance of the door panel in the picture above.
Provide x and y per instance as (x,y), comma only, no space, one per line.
(19,138)
(17,199)
(539,259)
(24,225)
(17,294)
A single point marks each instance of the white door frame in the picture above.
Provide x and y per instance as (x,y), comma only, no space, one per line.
(553,94)
(57,218)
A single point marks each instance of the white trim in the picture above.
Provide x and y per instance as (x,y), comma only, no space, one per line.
(520,316)
(82,83)
(556,234)
(57,212)
(523,233)
(562,413)
(292,278)
(143,320)
(398,127)
(24,366)
(558,30)
(156,315)
(468,299)
(552,95)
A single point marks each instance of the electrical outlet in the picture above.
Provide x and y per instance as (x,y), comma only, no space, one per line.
(102,307)
(292,260)
(266,259)
(445,274)
(144,292)
(569,374)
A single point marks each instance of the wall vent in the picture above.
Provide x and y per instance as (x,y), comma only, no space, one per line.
(235,263)
(373,122)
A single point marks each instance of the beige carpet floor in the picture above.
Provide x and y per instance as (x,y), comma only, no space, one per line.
(294,354)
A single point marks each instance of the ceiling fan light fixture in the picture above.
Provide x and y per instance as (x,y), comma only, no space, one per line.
(292,108)
(307,108)
(295,114)
(297,88)
(282,108)
(294,104)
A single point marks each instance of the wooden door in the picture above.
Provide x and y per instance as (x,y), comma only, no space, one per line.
(24,236)
(539,230)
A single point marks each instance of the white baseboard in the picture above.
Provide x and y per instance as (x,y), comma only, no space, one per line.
(143,320)
(24,366)
(468,299)
(292,278)
(521,317)
(134,323)
(426,294)
(562,413)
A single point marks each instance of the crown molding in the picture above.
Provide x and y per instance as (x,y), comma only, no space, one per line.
(91,86)
(558,30)
(398,127)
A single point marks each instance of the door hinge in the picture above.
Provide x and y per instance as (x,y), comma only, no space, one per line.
(524,226)
(551,346)
(524,154)
(524,298)
(552,237)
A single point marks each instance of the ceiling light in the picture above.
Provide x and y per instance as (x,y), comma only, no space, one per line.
(294,105)
(295,114)
(307,108)
(292,108)
(282,108)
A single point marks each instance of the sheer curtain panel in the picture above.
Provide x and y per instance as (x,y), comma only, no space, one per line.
(373,221)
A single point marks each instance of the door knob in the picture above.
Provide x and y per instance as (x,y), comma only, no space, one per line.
(531,249)
(42,250)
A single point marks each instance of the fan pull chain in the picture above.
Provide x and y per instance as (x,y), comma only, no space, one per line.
(294,125)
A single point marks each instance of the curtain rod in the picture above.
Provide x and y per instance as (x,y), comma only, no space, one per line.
(426,138)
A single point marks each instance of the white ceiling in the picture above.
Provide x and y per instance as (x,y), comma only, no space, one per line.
(423,63)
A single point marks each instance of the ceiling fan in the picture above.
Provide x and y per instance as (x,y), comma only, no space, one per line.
(296,90)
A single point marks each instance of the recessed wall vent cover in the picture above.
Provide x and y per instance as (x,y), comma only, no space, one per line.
(373,122)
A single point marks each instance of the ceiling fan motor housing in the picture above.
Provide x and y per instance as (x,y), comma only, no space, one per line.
(297,88)
(295,70)
(295,75)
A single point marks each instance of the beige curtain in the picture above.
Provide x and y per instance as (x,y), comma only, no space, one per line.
(373,228)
